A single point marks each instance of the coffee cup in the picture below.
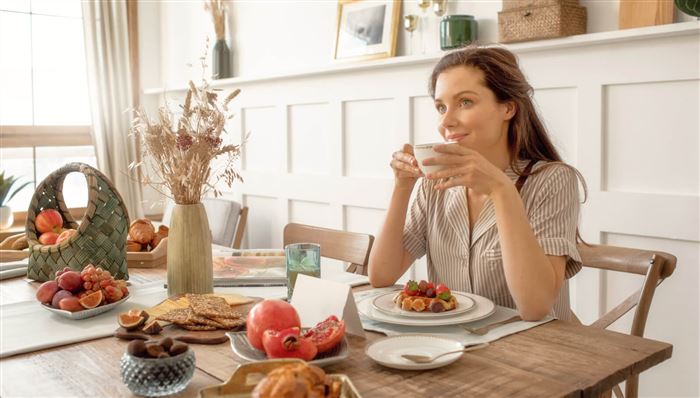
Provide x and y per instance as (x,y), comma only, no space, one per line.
(424,151)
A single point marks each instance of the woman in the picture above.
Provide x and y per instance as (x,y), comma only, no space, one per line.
(500,219)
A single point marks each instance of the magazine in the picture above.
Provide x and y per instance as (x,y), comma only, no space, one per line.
(255,267)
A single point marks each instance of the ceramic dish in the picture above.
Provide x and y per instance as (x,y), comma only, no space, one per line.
(483,309)
(241,346)
(385,303)
(244,379)
(388,351)
(89,313)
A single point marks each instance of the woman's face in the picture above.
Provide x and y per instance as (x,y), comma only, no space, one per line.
(468,111)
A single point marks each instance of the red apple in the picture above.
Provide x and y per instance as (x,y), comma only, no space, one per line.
(270,315)
(49,220)
(65,235)
(48,238)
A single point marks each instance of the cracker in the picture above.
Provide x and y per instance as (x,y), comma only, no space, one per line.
(194,319)
(211,306)
(198,327)
(229,323)
(177,316)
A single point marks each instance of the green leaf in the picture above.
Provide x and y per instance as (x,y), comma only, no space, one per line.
(16,191)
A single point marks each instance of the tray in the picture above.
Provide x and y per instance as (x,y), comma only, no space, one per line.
(209,337)
(152,259)
(241,346)
(87,313)
(246,377)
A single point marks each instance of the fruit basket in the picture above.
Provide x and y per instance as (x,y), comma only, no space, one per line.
(100,238)
(149,259)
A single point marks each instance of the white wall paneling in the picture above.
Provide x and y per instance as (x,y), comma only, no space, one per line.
(620,106)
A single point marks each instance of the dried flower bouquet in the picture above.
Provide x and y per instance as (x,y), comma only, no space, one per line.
(181,158)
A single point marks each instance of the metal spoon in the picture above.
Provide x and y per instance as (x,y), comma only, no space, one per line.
(427,359)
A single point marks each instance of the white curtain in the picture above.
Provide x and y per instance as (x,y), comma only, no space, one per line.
(109,75)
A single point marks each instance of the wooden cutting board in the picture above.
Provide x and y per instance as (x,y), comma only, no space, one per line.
(638,13)
(187,336)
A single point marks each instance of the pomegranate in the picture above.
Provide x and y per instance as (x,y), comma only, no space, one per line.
(327,334)
(270,315)
(288,343)
(49,220)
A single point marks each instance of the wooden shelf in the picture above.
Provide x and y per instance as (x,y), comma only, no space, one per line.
(670,30)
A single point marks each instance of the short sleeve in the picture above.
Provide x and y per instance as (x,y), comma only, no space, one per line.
(554,219)
(415,232)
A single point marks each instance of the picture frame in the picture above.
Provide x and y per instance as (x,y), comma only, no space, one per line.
(366,29)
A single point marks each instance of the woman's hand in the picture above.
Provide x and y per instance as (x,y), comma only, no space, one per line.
(466,167)
(405,166)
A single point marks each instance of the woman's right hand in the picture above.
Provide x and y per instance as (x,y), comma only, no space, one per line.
(405,166)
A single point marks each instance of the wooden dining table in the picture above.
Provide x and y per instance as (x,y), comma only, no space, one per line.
(556,359)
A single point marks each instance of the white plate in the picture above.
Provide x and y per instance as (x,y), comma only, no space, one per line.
(241,346)
(385,303)
(483,309)
(85,313)
(388,351)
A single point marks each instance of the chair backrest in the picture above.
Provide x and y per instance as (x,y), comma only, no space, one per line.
(655,266)
(227,220)
(340,245)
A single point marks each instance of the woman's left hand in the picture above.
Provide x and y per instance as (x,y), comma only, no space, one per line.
(466,167)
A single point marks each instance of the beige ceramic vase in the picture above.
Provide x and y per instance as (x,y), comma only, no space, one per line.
(189,251)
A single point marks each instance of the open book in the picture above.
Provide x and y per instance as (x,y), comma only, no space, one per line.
(255,267)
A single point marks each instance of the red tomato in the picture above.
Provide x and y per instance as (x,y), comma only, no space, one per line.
(269,315)
(327,334)
(288,343)
(49,220)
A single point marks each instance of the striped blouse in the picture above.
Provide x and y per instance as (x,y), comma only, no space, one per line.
(469,259)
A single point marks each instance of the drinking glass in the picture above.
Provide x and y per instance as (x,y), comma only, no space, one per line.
(301,258)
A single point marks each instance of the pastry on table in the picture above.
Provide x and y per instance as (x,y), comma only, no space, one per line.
(424,296)
(298,380)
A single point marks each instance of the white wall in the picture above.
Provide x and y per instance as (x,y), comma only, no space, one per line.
(616,108)
(267,36)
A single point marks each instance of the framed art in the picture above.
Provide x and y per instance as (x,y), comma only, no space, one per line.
(366,29)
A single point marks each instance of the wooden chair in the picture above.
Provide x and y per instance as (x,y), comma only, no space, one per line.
(655,266)
(340,245)
(221,214)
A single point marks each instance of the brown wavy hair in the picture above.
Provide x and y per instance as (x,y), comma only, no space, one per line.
(527,135)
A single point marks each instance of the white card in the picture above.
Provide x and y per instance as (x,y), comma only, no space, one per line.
(316,299)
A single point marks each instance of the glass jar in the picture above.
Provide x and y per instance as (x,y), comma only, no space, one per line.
(156,377)
(458,31)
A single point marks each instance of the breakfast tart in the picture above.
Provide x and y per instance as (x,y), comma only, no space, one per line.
(424,296)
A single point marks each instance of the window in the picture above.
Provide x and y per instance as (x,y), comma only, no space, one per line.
(44,103)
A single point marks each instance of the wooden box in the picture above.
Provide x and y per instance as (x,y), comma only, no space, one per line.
(541,22)
(151,259)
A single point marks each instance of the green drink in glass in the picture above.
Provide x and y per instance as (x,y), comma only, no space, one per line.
(302,258)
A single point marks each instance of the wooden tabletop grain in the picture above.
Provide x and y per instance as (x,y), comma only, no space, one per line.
(557,359)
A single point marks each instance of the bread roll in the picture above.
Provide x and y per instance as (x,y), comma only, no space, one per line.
(142,231)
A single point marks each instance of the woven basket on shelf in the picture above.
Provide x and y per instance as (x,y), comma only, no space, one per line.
(101,236)
(546,19)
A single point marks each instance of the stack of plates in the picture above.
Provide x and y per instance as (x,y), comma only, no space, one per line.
(470,308)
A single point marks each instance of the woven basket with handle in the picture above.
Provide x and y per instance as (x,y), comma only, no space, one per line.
(102,233)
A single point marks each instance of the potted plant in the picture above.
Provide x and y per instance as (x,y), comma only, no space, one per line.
(6,218)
